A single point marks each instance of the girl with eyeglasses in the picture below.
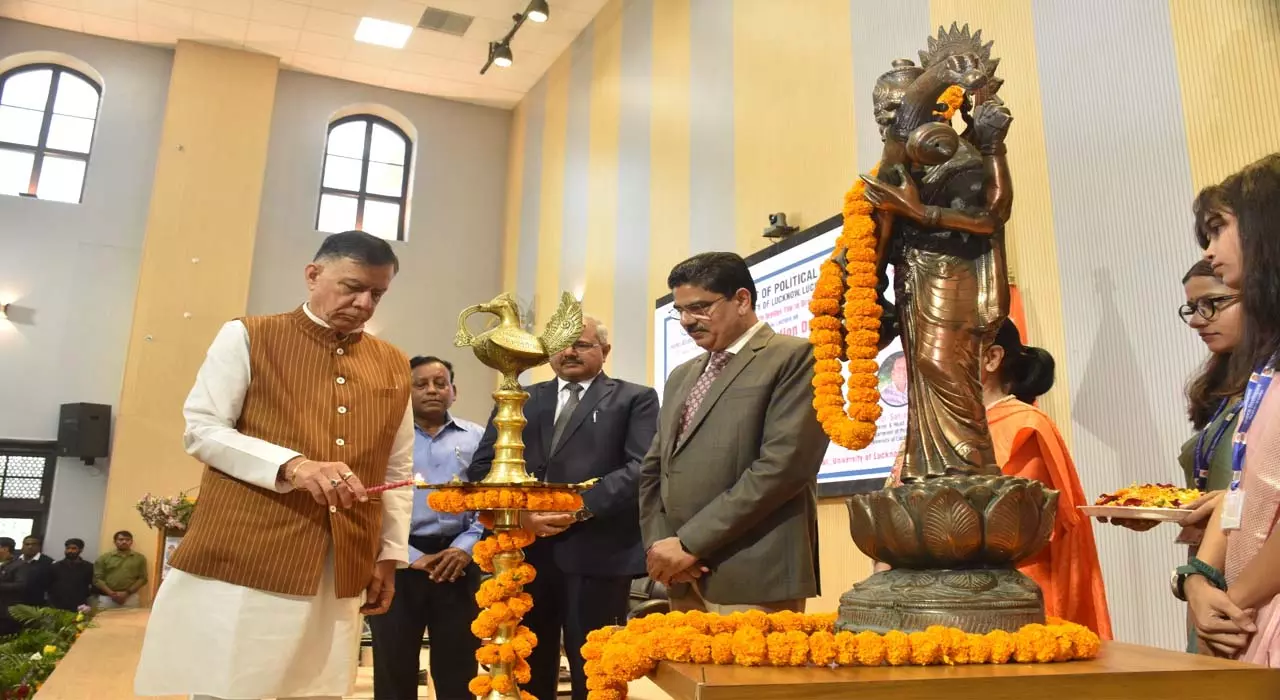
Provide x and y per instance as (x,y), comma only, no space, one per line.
(1233,584)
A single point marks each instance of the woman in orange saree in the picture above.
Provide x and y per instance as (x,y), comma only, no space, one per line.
(1028,444)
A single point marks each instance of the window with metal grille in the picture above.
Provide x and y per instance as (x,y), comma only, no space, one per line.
(365,181)
(47,117)
(26,487)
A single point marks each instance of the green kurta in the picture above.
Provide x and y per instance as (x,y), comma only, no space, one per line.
(1219,475)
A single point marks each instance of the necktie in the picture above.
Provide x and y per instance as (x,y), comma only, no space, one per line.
(575,390)
(699,392)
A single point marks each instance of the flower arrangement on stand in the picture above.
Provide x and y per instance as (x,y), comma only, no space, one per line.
(166,512)
(506,644)
(846,320)
(27,658)
(616,656)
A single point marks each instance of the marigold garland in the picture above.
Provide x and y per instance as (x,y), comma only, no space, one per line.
(616,656)
(502,600)
(472,497)
(853,289)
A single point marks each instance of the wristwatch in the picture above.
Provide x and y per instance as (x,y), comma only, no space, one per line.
(1178,581)
(582,515)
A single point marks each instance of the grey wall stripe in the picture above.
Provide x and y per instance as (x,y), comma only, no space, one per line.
(577,168)
(711,179)
(882,31)
(535,105)
(1119,175)
(631,315)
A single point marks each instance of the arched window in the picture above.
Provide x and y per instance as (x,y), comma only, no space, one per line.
(365,183)
(47,116)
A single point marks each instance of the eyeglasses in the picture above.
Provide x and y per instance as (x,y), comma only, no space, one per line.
(1206,307)
(584,346)
(700,310)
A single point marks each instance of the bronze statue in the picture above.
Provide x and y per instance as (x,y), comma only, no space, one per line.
(956,527)
(942,202)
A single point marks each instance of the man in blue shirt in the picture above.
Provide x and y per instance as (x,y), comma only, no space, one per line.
(436,593)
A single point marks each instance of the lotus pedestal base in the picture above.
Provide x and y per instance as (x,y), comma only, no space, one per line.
(974,600)
(953,543)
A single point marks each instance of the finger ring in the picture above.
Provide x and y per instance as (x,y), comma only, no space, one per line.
(348,475)
(334,482)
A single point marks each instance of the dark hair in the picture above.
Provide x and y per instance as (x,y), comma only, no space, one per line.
(1253,195)
(1214,381)
(8,543)
(126,533)
(1027,371)
(722,273)
(1209,205)
(421,360)
(76,541)
(359,246)
(39,540)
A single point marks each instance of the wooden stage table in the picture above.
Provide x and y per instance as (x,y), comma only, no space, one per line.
(1121,672)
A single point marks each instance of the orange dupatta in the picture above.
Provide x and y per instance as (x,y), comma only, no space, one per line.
(1027,444)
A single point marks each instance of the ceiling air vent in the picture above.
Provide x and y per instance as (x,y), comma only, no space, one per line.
(438,20)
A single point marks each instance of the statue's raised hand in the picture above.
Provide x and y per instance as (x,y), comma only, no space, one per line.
(903,199)
(991,121)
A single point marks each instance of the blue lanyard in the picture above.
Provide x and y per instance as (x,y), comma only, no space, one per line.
(1203,453)
(1259,382)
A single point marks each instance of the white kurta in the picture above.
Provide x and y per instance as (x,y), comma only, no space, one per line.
(209,637)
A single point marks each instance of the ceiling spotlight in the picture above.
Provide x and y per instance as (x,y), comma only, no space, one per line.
(538,11)
(500,54)
(500,51)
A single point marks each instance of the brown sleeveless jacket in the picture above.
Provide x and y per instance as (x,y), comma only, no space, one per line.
(333,399)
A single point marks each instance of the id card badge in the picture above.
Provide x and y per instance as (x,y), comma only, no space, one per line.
(1232,507)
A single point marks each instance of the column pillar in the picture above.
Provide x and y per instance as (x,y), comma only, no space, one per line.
(196,263)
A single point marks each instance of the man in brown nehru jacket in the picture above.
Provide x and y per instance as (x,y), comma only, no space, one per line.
(293,415)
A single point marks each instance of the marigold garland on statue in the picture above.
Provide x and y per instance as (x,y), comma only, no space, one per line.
(855,336)
(616,656)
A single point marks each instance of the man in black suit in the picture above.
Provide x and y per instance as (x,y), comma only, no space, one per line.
(582,425)
(41,569)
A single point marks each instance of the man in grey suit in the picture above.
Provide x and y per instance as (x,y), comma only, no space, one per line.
(728,490)
(582,425)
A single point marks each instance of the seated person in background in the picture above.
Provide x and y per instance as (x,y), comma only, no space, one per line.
(1027,444)
(71,578)
(119,575)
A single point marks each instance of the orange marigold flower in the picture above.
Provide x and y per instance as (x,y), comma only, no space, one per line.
(522,671)
(824,307)
(826,352)
(1002,646)
(503,684)
(822,648)
(700,649)
(798,641)
(926,648)
(870,648)
(779,648)
(897,648)
(480,686)
(487,654)
(722,648)
(978,647)
(749,646)
(826,323)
